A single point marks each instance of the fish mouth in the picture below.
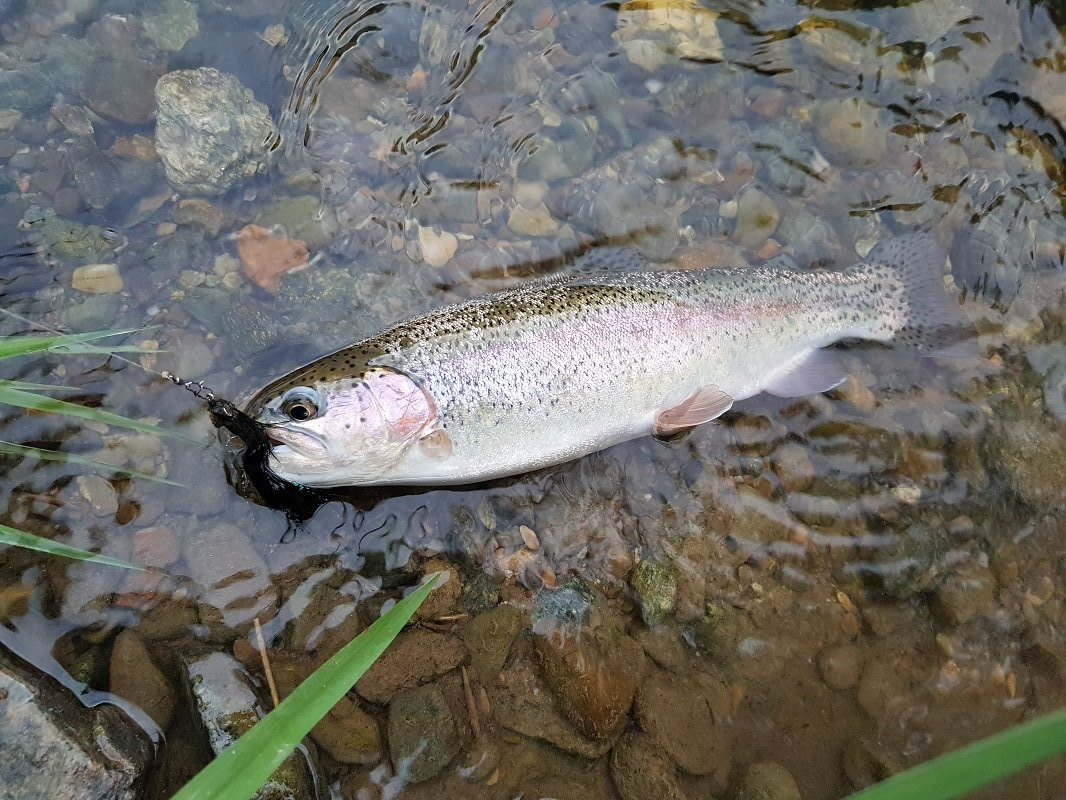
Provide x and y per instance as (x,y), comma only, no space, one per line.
(285,440)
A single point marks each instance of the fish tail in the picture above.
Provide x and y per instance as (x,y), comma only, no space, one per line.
(906,274)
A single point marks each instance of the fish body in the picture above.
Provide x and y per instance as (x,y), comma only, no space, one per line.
(562,367)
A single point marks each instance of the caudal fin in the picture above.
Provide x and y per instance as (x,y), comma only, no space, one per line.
(932,320)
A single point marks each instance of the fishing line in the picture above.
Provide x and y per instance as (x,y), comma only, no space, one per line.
(275,491)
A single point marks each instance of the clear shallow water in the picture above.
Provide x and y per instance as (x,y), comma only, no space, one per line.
(911,518)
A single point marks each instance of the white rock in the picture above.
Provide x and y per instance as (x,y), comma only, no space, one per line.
(438,247)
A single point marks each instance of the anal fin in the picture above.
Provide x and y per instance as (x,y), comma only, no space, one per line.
(812,373)
(702,406)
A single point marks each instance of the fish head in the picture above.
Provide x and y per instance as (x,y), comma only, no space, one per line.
(342,431)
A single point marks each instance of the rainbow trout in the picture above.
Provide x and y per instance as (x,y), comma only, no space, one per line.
(568,365)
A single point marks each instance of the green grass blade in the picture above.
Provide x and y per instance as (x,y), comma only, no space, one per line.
(244,766)
(40,387)
(12,449)
(11,346)
(16,397)
(17,538)
(962,771)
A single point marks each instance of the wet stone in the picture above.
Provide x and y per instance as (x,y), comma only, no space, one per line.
(304,218)
(122,88)
(348,733)
(840,666)
(793,467)
(171,24)
(965,592)
(562,605)
(135,677)
(640,770)
(768,780)
(681,714)
(881,690)
(100,494)
(236,581)
(1029,455)
(757,219)
(654,586)
(594,679)
(850,133)
(422,733)
(210,131)
(227,708)
(489,637)
(52,743)
(97,279)
(415,657)
(94,313)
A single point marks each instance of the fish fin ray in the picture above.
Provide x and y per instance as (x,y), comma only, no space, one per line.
(934,323)
(814,373)
(702,406)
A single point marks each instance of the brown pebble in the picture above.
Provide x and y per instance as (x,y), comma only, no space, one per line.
(839,667)
(529,537)
(266,257)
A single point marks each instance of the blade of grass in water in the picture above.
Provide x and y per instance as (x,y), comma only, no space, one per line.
(11,449)
(244,766)
(17,397)
(11,346)
(28,541)
(962,771)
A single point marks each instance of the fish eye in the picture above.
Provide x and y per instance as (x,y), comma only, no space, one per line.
(300,404)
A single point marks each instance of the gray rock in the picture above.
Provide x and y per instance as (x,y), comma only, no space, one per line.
(227,708)
(94,313)
(1029,455)
(850,133)
(53,746)
(236,581)
(565,605)
(210,130)
(565,156)
(95,175)
(422,733)
(121,88)
(757,218)
(172,24)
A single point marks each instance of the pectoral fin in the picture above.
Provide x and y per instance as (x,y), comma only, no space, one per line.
(818,371)
(436,444)
(706,404)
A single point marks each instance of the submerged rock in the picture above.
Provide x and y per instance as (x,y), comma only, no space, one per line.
(55,747)
(655,589)
(210,130)
(594,679)
(684,716)
(227,708)
(489,637)
(850,133)
(422,733)
(642,771)
(768,780)
(417,656)
(135,677)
